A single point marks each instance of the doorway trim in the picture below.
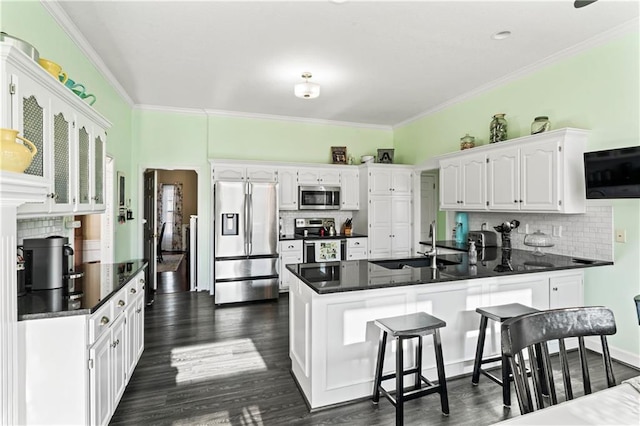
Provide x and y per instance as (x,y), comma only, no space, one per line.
(108,217)
(202,272)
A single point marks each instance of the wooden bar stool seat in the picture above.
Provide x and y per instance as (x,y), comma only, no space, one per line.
(402,328)
(499,313)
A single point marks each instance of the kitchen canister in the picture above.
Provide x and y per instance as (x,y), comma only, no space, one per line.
(540,124)
(498,129)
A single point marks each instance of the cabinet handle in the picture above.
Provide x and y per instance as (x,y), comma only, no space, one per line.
(104,321)
(521,201)
(138,310)
(555,289)
(515,201)
(143,287)
(142,280)
(51,195)
(133,291)
(356,243)
(121,303)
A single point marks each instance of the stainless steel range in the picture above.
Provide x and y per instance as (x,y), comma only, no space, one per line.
(316,230)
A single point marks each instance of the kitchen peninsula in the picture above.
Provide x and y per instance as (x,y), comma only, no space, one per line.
(332,307)
(80,347)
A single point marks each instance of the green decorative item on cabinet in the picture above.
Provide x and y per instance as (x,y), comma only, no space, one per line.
(540,124)
(498,129)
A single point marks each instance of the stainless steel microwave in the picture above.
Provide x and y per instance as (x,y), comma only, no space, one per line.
(319,197)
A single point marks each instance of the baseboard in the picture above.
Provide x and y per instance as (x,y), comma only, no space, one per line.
(626,357)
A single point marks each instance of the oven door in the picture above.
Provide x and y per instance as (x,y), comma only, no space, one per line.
(318,198)
(309,251)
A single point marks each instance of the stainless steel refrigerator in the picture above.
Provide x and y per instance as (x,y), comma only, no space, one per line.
(246,241)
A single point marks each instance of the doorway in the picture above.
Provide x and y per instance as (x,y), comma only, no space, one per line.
(176,199)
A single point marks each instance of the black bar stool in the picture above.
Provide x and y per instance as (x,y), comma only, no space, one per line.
(402,328)
(499,313)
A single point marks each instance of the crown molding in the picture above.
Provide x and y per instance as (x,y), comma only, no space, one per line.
(237,114)
(63,20)
(602,38)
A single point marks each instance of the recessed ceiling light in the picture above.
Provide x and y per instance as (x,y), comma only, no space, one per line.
(501,35)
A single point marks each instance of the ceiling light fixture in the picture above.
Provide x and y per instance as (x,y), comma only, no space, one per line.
(307,90)
(501,35)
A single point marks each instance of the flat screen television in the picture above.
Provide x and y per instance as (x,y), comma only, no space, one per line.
(613,173)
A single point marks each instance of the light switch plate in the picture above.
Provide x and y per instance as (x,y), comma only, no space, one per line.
(621,235)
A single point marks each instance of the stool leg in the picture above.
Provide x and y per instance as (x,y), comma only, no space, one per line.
(399,383)
(442,380)
(506,383)
(479,349)
(418,384)
(379,365)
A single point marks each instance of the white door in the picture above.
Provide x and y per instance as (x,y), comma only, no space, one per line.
(100,379)
(350,190)
(473,183)
(380,214)
(119,358)
(288,188)
(379,181)
(401,182)
(539,177)
(108,218)
(503,180)
(450,196)
(401,226)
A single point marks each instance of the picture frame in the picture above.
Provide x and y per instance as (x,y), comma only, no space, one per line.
(385,156)
(339,154)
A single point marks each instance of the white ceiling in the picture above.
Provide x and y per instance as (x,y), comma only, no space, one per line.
(379,63)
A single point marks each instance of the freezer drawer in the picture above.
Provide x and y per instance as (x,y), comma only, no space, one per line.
(245,291)
(245,268)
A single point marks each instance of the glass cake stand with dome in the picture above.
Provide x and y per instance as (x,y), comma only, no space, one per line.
(538,240)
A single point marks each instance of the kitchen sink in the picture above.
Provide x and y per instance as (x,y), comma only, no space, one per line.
(411,263)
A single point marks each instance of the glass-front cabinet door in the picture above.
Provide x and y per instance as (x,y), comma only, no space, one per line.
(98,170)
(63,197)
(84,165)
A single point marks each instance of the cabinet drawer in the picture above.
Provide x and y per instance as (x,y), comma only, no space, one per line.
(99,322)
(136,288)
(291,246)
(119,301)
(356,254)
(357,243)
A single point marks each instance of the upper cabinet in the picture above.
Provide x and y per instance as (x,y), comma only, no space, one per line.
(319,176)
(69,134)
(538,173)
(350,189)
(288,188)
(243,172)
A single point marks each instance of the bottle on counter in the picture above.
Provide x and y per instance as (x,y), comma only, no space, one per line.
(473,254)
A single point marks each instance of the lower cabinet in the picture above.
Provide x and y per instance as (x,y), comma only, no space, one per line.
(357,249)
(290,253)
(76,367)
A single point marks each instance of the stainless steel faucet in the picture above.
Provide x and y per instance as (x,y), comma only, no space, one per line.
(432,253)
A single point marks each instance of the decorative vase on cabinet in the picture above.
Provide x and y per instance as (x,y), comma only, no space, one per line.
(498,129)
(540,124)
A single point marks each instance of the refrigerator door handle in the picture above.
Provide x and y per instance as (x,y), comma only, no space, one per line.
(250,220)
(246,222)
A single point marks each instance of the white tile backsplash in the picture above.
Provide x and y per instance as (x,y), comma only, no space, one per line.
(42,228)
(587,235)
(289,216)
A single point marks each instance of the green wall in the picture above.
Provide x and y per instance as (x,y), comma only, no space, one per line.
(597,90)
(29,21)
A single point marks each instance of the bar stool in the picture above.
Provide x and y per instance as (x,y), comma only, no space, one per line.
(499,313)
(402,328)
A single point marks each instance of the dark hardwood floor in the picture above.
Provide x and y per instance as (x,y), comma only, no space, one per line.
(209,365)
(174,282)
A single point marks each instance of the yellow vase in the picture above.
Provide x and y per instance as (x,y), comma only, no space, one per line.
(15,156)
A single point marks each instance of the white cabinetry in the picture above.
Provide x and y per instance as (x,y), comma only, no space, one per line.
(386,209)
(50,115)
(357,249)
(290,253)
(566,291)
(319,176)
(463,183)
(98,352)
(538,173)
(225,170)
(288,188)
(350,189)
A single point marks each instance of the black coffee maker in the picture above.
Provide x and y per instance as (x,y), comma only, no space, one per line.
(48,262)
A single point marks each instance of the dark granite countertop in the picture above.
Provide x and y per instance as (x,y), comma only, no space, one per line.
(335,277)
(289,237)
(449,244)
(99,283)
